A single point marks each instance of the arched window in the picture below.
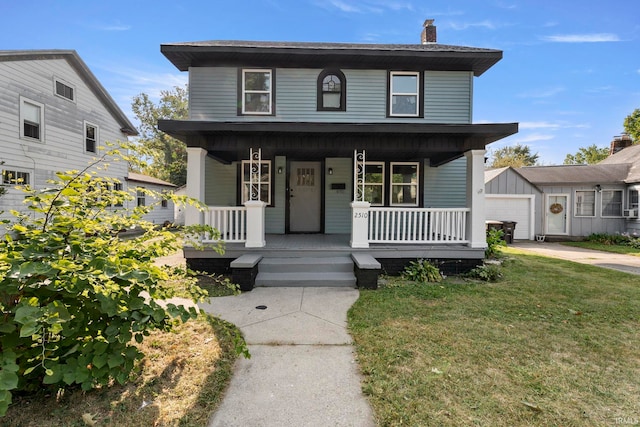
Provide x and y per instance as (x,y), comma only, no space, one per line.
(332,90)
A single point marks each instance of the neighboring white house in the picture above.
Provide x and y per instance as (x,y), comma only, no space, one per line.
(54,116)
(164,211)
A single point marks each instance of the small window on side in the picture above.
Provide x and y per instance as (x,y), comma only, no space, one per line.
(90,138)
(64,90)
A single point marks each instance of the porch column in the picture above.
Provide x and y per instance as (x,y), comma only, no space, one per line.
(255,224)
(360,224)
(476,232)
(195,183)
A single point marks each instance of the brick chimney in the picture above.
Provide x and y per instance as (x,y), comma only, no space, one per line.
(428,32)
(619,143)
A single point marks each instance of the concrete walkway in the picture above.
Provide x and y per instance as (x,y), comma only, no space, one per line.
(625,263)
(302,370)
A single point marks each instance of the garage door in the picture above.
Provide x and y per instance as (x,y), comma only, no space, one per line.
(511,209)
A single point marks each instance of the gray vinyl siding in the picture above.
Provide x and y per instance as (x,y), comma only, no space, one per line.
(584,226)
(445,186)
(62,146)
(214,96)
(221,184)
(338,202)
(275,215)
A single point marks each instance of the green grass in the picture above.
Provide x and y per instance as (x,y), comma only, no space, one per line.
(553,343)
(618,249)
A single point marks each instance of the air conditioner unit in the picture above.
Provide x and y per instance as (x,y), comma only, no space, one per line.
(630,213)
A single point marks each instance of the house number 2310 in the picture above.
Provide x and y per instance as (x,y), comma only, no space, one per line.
(364,215)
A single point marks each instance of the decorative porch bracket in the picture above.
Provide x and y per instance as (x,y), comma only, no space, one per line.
(359,207)
(255,207)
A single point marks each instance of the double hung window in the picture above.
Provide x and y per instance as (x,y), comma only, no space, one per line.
(374,183)
(611,202)
(31,119)
(404,94)
(257,91)
(332,89)
(586,203)
(404,184)
(265,182)
(90,138)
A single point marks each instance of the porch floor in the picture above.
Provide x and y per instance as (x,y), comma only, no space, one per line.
(326,245)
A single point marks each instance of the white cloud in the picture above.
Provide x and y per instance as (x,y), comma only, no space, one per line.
(534,137)
(542,93)
(465,25)
(551,125)
(371,6)
(582,38)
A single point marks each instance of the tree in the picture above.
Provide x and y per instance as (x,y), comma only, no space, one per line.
(166,156)
(75,295)
(632,125)
(587,156)
(515,156)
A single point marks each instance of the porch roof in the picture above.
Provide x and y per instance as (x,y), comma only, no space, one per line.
(230,141)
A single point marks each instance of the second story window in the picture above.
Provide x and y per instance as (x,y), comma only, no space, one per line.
(64,90)
(332,89)
(257,92)
(404,94)
(90,138)
(31,118)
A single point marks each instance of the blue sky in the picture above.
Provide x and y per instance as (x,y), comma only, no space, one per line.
(570,72)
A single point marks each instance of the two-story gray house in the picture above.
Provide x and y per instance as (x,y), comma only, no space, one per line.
(325,149)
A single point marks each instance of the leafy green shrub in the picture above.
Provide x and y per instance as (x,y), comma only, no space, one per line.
(614,239)
(486,272)
(422,271)
(494,242)
(74,295)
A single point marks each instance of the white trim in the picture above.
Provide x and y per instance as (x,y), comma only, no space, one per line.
(392,93)
(417,184)
(375,184)
(268,182)
(23,101)
(67,84)
(532,210)
(268,92)
(567,221)
(84,137)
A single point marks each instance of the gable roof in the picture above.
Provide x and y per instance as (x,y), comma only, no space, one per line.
(629,155)
(490,174)
(576,174)
(322,55)
(146,179)
(72,57)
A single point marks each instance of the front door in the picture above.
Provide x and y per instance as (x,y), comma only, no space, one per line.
(305,197)
(557,215)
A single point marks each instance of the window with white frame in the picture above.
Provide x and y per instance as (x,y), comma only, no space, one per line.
(31,119)
(633,198)
(117,186)
(265,181)
(404,183)
(611,202)
(257,94)
(585,203)
(141,199)
(374,183)
(404,96)
(13,177)
(64,89)
(90,138)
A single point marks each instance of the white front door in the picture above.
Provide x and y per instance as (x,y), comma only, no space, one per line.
(557,214)
(305,197)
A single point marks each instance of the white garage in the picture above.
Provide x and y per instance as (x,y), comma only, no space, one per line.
(518,208)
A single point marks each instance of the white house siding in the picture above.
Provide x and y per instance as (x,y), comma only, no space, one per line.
(159,215)
(62,147)
(338,202)
(445,186)
(447,96)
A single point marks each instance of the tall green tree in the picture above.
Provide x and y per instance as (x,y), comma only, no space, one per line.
(632,125)
(587,155)
(166,156)
(515,156)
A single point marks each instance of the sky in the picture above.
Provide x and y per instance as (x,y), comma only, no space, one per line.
(569,76)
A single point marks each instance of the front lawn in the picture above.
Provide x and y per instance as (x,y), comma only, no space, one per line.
(618,249)
(553,343)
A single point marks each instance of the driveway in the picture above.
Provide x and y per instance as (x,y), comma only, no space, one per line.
(625,263)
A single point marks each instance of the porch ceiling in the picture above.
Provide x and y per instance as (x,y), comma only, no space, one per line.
(230,141)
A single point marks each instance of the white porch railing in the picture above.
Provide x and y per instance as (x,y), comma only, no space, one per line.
(414,225)
(230,221)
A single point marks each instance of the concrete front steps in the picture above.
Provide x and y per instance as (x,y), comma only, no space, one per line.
(301,272)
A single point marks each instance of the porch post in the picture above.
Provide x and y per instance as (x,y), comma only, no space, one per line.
(255,224)
(360,224)
(476,232)
(195,183)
